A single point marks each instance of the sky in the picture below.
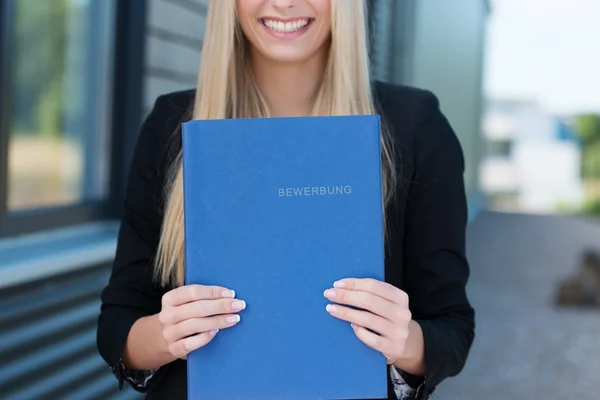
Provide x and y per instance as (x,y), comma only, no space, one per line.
(545,50)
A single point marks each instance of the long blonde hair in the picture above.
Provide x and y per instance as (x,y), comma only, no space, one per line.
(226,89)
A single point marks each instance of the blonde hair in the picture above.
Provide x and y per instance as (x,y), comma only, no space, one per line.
(226,89)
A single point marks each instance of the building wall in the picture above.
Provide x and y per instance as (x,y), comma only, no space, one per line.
(51,276)
(445,56)
(381,44)
(174,41)
(48,337)
(532,161)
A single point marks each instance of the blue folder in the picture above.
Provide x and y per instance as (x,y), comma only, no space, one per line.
(278,209)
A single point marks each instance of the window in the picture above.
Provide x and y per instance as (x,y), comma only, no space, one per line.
(58,136)
(61,141)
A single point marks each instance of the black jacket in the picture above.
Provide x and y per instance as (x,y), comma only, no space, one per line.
(425,258)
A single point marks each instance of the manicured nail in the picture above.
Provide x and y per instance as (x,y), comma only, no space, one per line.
(331,308)
(339,284)
(329,293)
(238,305)
(232,319)
(228,293)
(213,332)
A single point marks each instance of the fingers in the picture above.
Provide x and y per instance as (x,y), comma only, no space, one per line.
(377,342)
(379,288)
(200,309)
(183,347)
(190,293)
(194,326)
(367,301)
(362,318)
(192,315)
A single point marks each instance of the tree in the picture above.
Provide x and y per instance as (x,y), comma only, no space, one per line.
(40,47)
(587,127)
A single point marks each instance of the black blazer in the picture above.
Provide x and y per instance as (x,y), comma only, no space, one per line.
(425,258)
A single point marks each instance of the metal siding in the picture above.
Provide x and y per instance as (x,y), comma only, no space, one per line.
(175,31)
(48,340)
(48,328)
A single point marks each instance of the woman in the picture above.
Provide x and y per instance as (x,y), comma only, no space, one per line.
(295,58)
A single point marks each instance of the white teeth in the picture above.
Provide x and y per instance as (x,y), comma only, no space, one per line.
(286,27)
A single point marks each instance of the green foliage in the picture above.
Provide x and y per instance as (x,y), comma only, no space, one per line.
(590,161)
(591,207)
(587,127)
(50,109)
(40,65)
(563,207)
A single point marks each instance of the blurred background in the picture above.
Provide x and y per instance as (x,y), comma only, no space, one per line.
(518,80)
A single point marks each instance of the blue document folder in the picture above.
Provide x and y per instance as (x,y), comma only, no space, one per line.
(278,209)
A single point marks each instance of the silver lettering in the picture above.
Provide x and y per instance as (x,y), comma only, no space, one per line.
(314,191)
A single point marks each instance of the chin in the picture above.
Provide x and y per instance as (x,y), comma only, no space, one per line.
(287,57)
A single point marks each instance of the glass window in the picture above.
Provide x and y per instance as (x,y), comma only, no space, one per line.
(59,82)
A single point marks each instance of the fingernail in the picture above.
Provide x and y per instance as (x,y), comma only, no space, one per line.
(353,326)
(329,293)
(238,305)
(213,332)
(331,308)
(228,293)
(339,284)
(233,319)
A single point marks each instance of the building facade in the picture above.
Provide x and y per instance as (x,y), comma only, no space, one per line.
(532,161)
(77,77)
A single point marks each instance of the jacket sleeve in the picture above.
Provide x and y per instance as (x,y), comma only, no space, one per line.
(437,269)
(131,292)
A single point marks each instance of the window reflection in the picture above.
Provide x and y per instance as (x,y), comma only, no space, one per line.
(60,76)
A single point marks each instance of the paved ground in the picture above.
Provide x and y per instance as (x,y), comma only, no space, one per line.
(525,349)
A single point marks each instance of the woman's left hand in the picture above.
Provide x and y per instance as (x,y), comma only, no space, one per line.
(384,309)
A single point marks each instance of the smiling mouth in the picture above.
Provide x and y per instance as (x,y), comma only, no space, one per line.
(288,26)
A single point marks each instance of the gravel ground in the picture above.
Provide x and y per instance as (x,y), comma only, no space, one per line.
(524,347)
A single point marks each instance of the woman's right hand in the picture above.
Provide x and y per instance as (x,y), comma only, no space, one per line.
(192,315)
